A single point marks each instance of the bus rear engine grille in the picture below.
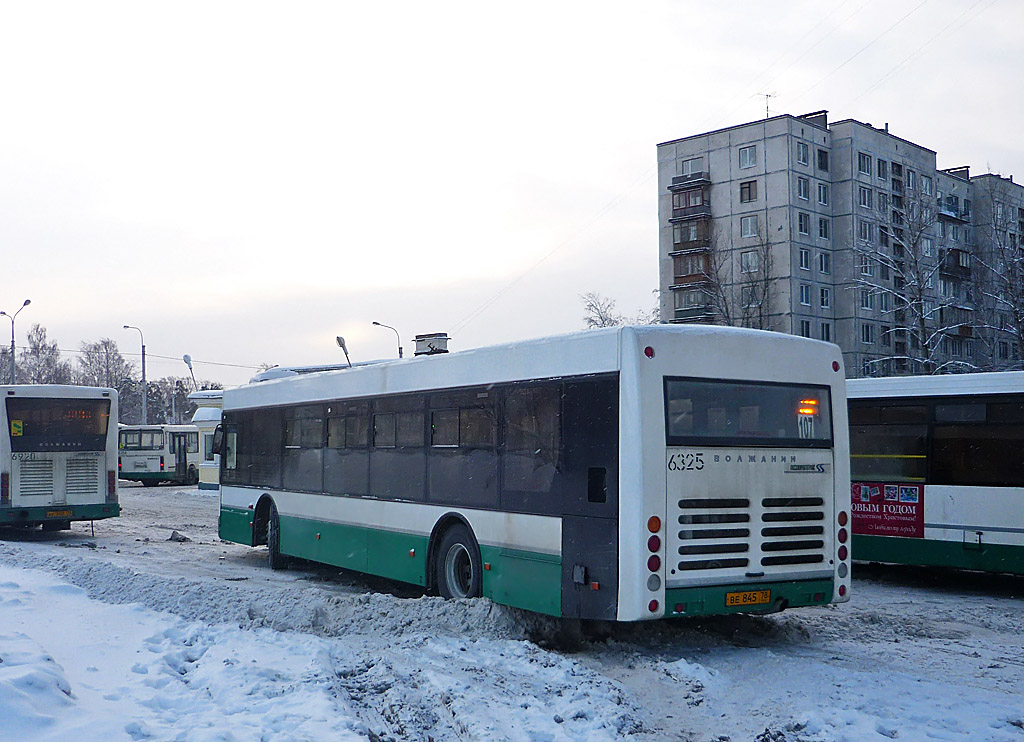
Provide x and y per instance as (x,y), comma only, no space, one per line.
(720,529)
(792,523)
(35,478)
(83,476)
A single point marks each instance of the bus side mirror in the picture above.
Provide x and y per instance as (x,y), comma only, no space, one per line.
(218,440)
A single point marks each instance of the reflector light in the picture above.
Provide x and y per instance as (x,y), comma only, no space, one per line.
(841,535)
(653,543)
(654,563)
(835,365)
(654,583)
(843,570)
(649,352)
(654,524)
(842,590)
(818,597)
(842,518)
(680,607)
(843,553)
(653,605)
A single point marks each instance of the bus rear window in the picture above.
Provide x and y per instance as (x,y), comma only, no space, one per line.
(57,424)
(141,440)
(735,413)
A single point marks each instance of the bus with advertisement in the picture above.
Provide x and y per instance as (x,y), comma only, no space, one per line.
(58,453)
(937,471)
(620,473)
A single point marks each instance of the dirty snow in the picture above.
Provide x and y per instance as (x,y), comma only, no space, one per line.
(122,634)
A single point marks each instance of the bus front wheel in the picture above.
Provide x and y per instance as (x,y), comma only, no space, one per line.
(276,559)
(458,571)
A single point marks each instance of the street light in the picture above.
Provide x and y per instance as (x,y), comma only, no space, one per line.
(188,362)
(145,389)
(11,317)
(396,335)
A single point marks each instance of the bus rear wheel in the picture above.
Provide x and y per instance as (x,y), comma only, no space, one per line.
(458,570)
(276,559)
(57,525)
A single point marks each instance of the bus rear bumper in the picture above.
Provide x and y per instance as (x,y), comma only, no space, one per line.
(16,516)
(709,600)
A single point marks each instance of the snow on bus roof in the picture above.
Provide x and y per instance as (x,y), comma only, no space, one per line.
(571,354)
(992,382)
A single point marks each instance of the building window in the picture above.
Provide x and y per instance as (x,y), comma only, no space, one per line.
(805,294)
(690,265)
(692,166)
(864,230)
(748,191)
(886,335)
(926,185)
(825,298)
(864,197)
(690,298)
(911,179)
(685,199)
(805,328)
(883,169)
(883,235)
(965,259)
(883,301)
(803,189)
(684,233)
(823,229)
(824,263)
(823,194)
(805,259)
(823,160)
(802,153)
(867,266)
(867,299)
(749,296)
(883,201)
(748,156)
(867,334)
(803,222)
(749,262)
(826,331)
(748,226)
(927,247)
(864,163)
(883,271)
(1004,350)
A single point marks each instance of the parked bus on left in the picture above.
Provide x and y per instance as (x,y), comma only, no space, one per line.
(58,455)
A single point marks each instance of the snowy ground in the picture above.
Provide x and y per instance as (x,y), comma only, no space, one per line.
(124,635)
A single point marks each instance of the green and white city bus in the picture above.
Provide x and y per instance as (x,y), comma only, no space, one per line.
(152,454)
(938,470)
(58,455)
(622,473)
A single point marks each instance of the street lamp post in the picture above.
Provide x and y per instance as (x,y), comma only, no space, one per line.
(12,317)
(379,324)
(145,389)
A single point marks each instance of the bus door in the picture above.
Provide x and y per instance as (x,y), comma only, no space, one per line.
(179,444)
(590,527)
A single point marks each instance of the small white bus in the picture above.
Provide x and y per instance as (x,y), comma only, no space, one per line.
(622,474)
(58,452)
(158,453)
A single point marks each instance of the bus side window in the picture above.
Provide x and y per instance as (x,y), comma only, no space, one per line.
(218,440)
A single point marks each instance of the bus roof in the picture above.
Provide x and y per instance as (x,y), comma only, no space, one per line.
(997,382)
(575,354)
(56,391)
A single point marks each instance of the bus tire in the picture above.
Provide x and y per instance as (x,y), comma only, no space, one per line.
(150,482)
(57,525)
(193,474)
(275,559)
(458,571)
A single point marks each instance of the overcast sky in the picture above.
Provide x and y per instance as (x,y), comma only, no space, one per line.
(245,181)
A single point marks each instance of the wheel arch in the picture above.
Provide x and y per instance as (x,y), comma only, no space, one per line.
(261,519)
(443,524)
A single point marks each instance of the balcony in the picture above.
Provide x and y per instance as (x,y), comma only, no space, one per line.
(701,211)
(694,314)
(693,246)
(950,266)
(949,211)
(680,182)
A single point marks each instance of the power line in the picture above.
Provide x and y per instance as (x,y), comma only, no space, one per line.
(166,358)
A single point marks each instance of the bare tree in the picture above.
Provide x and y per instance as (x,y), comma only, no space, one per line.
(899,269)
(40,361)
(599,311)
(745,299)
(1000,259)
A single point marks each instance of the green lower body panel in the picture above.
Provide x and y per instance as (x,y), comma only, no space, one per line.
(235,524)
(711,600)
(15,516)
(147,476)
(397,556)
(523,579)
(209,486)
(931,553)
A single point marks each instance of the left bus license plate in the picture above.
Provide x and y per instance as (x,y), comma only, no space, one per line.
(58,513)
(749,597)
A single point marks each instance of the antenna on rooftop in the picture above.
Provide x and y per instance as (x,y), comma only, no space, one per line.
(341,344)
(766,97)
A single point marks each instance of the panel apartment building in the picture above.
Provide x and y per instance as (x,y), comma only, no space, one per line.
(846,233)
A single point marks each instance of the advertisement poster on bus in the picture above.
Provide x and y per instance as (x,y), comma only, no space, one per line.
(881,509)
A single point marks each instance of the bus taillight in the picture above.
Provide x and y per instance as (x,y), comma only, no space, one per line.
(842,518)
(111,486)
(843,553)
(161,463)
(654,524)
(5,488)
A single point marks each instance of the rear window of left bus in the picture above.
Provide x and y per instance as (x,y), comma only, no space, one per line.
(742,413)
(46,424)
